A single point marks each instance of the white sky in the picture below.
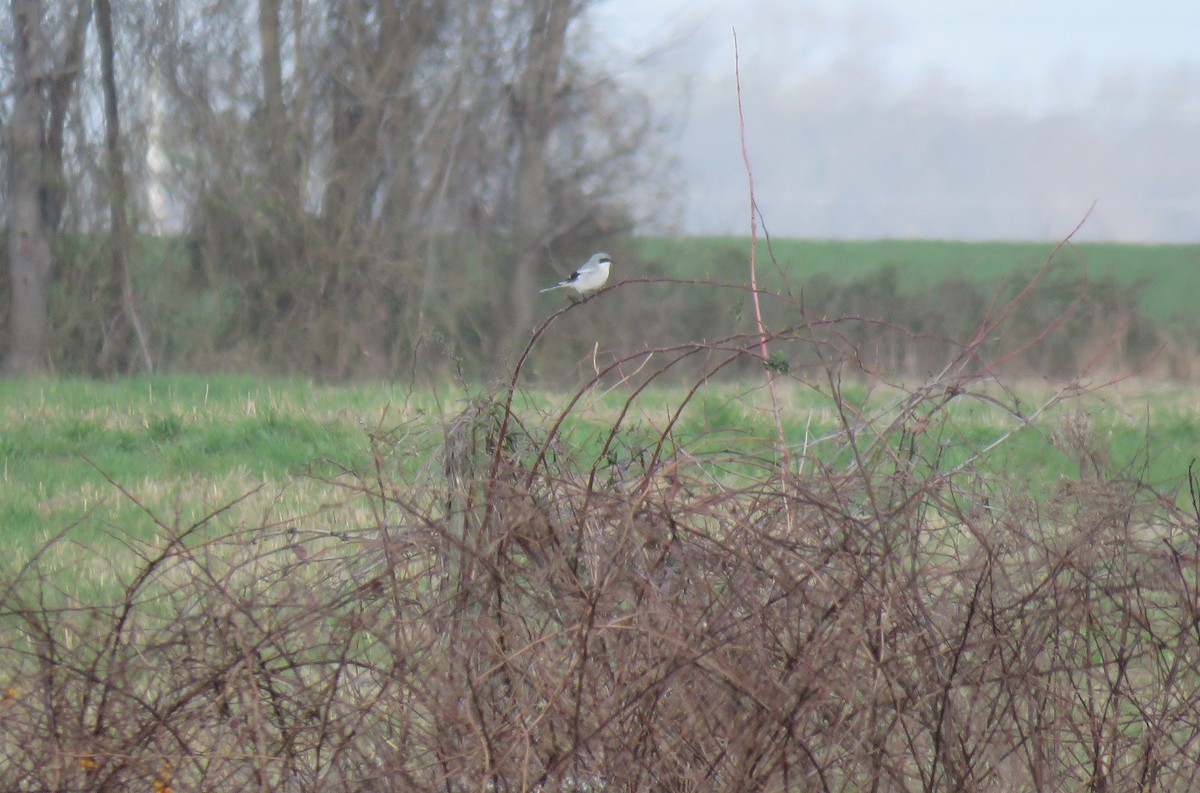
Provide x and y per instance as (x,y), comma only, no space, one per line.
(1012,49)
(1109,60)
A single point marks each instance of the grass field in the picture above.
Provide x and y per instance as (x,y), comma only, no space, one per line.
(183,446)
(180,446)
(1167,275)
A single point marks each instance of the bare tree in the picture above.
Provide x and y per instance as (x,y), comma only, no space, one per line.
(115,351)
(359,179)
(398,172)
(282,163)
(42,86)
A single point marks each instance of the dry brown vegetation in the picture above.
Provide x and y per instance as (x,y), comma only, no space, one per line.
(884,612)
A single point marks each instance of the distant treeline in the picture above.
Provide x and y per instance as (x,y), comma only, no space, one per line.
(203,319)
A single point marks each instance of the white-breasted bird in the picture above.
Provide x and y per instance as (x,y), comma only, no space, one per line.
(589,277)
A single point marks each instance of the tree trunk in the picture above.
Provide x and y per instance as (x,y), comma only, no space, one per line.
(36,186)
(62,85)
(283,163)
(115,352)
(28,237)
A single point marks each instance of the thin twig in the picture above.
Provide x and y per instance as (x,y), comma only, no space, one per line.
(785,456)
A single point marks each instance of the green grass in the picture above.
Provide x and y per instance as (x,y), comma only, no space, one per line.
(183,447)
(1169,275)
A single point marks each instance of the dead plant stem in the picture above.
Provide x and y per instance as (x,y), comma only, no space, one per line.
(785,457)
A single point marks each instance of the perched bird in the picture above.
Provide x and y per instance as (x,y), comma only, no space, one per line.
(589,277)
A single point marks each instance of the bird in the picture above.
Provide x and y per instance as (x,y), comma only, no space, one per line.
(590,276)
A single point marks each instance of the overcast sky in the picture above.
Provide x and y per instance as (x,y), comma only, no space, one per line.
(1100,97)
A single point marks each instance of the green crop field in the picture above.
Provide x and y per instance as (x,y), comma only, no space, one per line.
(1167,275)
